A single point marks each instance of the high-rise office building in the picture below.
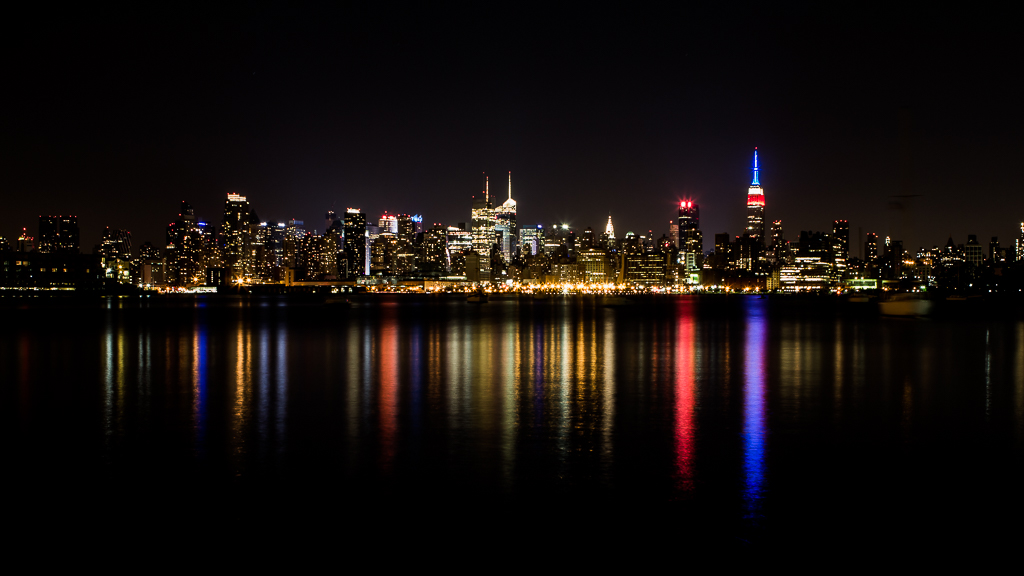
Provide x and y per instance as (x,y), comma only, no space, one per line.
(58,234)
(588,239)
(405,229)
(996,255)
(531,240)
(115,252)
(689,217)
(560,240)
(972,251)
(777,249)
(332,221)
(388,223)
(691,239)
(755,207)
(483,231)
(238,232)
(460,242)
(355,243)
(608,241)
(115,244)
(26,243)
(871,247)
(435,249)
(722,242)
(186,249)
(841,243)
(1019,248)
(505,218)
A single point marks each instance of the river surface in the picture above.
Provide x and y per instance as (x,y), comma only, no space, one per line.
(746,419)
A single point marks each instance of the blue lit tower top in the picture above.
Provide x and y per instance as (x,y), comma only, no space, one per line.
(755,182)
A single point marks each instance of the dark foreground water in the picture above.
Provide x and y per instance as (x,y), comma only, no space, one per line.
(738,419)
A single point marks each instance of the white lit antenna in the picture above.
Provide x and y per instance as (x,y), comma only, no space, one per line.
(509,184)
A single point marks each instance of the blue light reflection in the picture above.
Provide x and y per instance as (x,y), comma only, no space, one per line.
(754,406)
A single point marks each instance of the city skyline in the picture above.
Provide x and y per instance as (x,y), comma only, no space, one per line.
(491,249)
(755,222)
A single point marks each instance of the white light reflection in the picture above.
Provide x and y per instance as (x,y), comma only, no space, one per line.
(608,391)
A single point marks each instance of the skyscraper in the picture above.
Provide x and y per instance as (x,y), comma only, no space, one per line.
(1019,252)
(460,242)
(691,240)
(115,252)
(689,217)
(776,243)
(389,223)
(755,207)
(58,234)
(435,249)
(841,243)
(505,218)
(609,234)
(406,228)
(531,240)
(972,251)
(483,231)
(186,249)
(332,221)
(870,247)
(237,236)
(355,242)
(115,244)
(26,243)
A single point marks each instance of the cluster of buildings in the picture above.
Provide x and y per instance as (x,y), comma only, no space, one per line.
(399,250)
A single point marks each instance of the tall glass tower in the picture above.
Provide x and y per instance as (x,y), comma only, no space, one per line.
(505,219)
(755,207)
(483,230)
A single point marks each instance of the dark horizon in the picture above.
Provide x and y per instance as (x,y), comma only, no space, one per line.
(616,111)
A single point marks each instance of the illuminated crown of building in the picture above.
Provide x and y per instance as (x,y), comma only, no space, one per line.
(510,204)
(755,194)
(609,229)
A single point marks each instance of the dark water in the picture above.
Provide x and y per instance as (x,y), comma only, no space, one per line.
(738,418)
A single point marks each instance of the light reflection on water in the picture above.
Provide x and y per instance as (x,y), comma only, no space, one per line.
(754,407)
(674,400)
(685,392)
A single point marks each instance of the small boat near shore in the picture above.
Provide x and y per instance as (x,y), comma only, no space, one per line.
(477,296)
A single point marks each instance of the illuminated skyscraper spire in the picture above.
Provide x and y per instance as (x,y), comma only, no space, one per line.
(487,189)
(505,223)
(609,229)
(755,213)
(755,182)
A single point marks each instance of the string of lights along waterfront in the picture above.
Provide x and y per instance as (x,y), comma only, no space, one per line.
(494,250)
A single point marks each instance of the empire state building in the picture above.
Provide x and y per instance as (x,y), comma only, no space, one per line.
(755,207)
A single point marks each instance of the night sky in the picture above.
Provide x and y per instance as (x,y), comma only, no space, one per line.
(117,116)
